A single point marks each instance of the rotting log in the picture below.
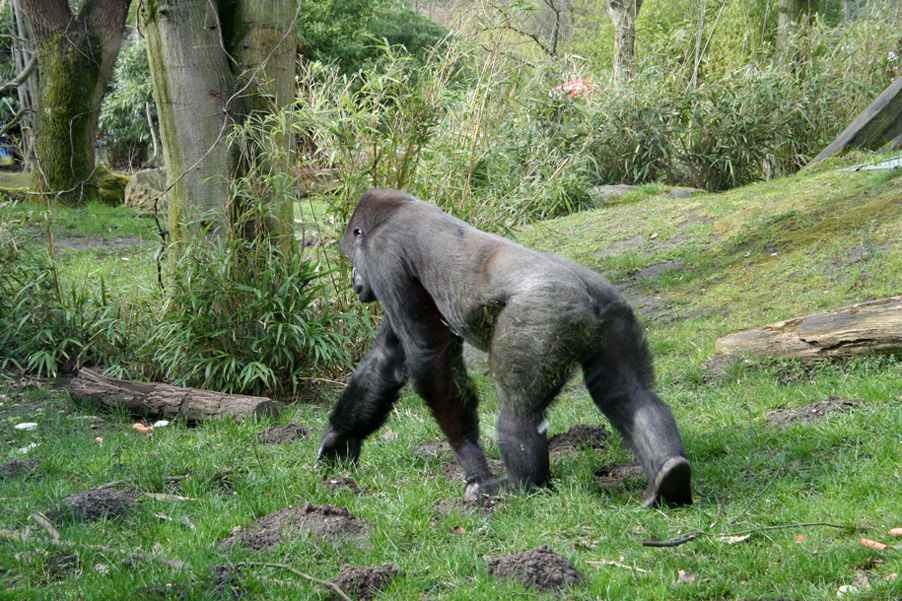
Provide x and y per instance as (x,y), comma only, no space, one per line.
(873,327)
(156,400)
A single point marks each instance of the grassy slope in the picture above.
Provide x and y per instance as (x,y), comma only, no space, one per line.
(697,269)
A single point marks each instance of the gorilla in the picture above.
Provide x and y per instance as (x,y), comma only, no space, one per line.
(442,282)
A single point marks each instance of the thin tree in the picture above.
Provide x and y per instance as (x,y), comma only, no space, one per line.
(76,52)
(623,14)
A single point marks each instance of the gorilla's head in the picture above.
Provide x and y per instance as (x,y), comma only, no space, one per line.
(375,207)
(352,247)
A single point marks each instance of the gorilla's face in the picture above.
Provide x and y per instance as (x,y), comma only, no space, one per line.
(352,247)
(362,286)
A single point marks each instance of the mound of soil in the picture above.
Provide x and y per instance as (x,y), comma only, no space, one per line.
(468,504)
(812,413)
(362,582)
(619,474)
(541,568)
(340,485)
(19,468)
(580,436)
(320,521)
(95,503)
(283,434)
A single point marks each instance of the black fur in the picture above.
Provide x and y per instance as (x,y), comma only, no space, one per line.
(441,282)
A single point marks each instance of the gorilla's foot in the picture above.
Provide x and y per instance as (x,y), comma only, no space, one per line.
(490,488)
(672,484)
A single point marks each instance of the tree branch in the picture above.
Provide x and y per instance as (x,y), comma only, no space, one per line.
(21,77)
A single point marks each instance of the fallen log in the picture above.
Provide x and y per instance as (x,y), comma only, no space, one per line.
(155,400)
(880,124)
(874,327)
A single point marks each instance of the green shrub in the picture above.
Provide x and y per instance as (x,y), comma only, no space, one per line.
(46,326)
(246,317)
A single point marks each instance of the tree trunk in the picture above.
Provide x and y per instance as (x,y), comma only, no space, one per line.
(23,53)
(214,64)
(623,14)
(76,54)
(867,328)
(793,16)
(162,400)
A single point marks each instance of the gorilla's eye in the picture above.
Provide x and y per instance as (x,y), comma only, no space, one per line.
(358,231)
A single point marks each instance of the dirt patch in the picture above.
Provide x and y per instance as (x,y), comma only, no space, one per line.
(363,582)
(284,433)
(341,485)
(540,568)
(96,503)
(580,436)
(811,414)
(433,449)
(469,504)
(322,522)
(61,565)
(653,272)
(79,243)
(164,592)
(620,474)
(452,471)
(19,468)
(227,582)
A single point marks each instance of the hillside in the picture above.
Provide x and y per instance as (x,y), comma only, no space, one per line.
(793,466)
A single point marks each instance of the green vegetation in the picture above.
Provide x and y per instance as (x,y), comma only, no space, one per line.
(696,268)
(492,137)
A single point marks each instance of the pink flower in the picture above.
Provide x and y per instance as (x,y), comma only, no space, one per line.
(575,87)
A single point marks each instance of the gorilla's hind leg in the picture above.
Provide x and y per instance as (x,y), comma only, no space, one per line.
(618,376)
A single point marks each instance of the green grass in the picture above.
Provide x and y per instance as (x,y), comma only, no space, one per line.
(836,236)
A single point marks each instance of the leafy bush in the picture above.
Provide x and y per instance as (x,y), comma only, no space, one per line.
(244,317)
(48,327)
(349,33)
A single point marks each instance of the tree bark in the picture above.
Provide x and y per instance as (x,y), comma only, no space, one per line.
(623,14)
(76,55)
(868,328)
(155,400)
(214,64)
(792,16)
(23,55)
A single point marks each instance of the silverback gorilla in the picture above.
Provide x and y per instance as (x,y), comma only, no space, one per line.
(442,282)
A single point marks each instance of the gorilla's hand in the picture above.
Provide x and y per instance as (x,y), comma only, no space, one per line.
(337,449)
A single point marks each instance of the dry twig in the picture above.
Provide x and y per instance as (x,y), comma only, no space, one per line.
(298,573)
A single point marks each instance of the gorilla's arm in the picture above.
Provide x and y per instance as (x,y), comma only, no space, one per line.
(369,397)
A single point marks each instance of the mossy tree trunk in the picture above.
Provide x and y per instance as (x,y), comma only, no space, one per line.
(216,64)
(76,53)
(623,14)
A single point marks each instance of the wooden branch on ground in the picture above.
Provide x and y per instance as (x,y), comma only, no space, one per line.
(163,400)
(880,123)
(874,327)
